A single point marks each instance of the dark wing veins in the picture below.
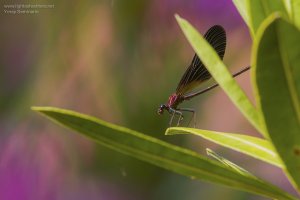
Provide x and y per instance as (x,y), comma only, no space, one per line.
(197,72)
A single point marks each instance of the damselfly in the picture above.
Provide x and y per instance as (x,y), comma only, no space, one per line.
(196,74)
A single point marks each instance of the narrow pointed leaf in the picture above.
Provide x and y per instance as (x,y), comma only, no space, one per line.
(228,163)
(255,147)
(220,73)
(260,10)
(288,7)
(254,12)
(277,70)
(295,12)
(159,153)
(243,6)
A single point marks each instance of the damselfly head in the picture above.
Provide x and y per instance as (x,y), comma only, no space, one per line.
(161,109)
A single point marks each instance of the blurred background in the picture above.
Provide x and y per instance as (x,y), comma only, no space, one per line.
(116,60)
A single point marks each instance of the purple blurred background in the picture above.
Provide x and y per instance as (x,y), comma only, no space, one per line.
(116,60)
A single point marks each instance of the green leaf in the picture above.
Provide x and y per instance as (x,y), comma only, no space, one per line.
(220,73)
(243,7)
(295,12)
(254,12)
(159,153)
(288,7)
(277,70)
(252,146)
(260,10)
(228,163)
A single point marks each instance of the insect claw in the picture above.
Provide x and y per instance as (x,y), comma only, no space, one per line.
(179,119)
(171,120)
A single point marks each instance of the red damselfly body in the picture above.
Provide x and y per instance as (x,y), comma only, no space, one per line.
(196,74)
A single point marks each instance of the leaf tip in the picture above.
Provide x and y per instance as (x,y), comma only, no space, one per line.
(168,131)
(177,17)
(35,108)
(209,151)
(41,109)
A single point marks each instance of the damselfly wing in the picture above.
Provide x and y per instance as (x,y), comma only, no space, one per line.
(197,73)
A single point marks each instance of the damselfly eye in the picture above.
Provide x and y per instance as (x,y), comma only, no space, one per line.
(160,110)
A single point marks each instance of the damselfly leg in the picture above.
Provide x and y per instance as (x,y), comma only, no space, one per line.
(178,112)
(174,112)
(193,115)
